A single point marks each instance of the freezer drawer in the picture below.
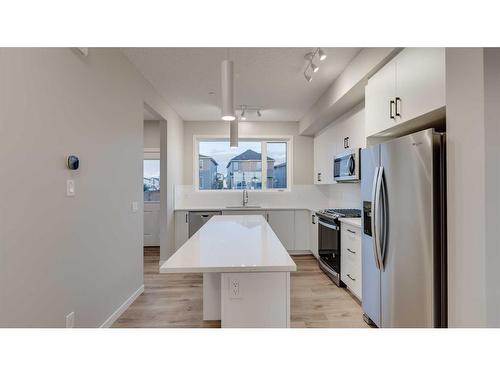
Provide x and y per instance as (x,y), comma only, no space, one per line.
(198,218)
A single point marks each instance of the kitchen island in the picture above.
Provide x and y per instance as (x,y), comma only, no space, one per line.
(246,271)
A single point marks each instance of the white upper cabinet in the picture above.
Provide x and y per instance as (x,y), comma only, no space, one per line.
(330,142)
(409,86)
(324,151)
(380,96)
(420,82)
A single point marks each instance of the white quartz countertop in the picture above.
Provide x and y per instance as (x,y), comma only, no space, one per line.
(354,221)
(259,208)
(239,243)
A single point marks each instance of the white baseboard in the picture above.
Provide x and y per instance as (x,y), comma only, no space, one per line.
(112,318)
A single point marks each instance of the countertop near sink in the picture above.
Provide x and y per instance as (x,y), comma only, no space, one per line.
(354,221)
(261,208)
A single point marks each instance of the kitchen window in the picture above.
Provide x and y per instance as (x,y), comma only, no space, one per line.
(256,164)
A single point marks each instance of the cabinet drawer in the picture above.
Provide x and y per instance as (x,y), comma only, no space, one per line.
(350,271)
(351,241)
(351,276)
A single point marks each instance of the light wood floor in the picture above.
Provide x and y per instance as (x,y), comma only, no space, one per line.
(175,300)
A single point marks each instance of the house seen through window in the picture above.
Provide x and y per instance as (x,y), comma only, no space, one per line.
(225,168)
(151,179)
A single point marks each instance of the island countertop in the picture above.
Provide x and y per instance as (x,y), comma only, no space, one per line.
(239,243)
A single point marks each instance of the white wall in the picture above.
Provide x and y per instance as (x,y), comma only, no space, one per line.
(302,145)
(81,254)
(472,95)
(152,134)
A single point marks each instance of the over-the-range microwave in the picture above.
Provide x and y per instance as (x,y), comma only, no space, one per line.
(346,166)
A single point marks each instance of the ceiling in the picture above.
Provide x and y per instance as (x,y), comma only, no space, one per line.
(271,78)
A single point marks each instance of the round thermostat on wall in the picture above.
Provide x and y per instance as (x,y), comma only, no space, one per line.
(73,162)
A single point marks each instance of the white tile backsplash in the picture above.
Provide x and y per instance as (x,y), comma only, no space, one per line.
(300,196)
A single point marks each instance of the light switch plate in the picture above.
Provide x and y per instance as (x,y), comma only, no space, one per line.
(70,320)
(135,206)
(70,188)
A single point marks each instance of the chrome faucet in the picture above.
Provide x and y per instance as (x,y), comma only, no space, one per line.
(245,197)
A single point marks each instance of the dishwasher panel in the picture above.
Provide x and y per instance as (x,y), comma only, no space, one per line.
(198,218)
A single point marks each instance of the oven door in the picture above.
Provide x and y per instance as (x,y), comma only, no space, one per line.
(329,245)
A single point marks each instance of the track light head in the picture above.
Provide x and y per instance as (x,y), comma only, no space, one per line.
(314,67)
(321,54)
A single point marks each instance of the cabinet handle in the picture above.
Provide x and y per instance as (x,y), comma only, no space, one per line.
(186,217)
(267,217)
(391,105)
(352,252)
(319,177)
(398,100)
(351,231)
(312,219)
(349,276)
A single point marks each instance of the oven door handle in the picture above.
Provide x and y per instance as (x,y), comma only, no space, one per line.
(331,226)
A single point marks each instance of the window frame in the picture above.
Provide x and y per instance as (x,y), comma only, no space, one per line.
(263,140)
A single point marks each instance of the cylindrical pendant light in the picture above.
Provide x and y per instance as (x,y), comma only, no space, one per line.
(227,90)
(233,133)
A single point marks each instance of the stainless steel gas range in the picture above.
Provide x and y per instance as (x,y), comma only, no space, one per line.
(329,240)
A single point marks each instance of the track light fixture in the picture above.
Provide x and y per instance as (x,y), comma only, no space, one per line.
(311,65)
(321,54)
(245,109)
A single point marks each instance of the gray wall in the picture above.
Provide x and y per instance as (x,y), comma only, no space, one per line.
(472,111)
(152,134)
(492,136)
(81,254)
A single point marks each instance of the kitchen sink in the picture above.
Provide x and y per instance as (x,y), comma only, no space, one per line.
(247,206)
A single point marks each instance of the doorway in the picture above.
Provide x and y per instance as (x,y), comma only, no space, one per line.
(151,178)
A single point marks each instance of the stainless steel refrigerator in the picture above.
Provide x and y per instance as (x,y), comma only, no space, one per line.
(403,188)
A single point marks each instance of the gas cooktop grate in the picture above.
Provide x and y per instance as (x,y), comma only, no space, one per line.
(344,212)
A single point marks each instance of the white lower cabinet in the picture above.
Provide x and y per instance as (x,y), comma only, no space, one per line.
(181,223)
(291,226)
(301,231)
(244,212)
(313,234)
(350,258)
(283,224)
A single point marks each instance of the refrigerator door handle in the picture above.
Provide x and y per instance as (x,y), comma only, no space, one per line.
(384,221)
(375,217)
